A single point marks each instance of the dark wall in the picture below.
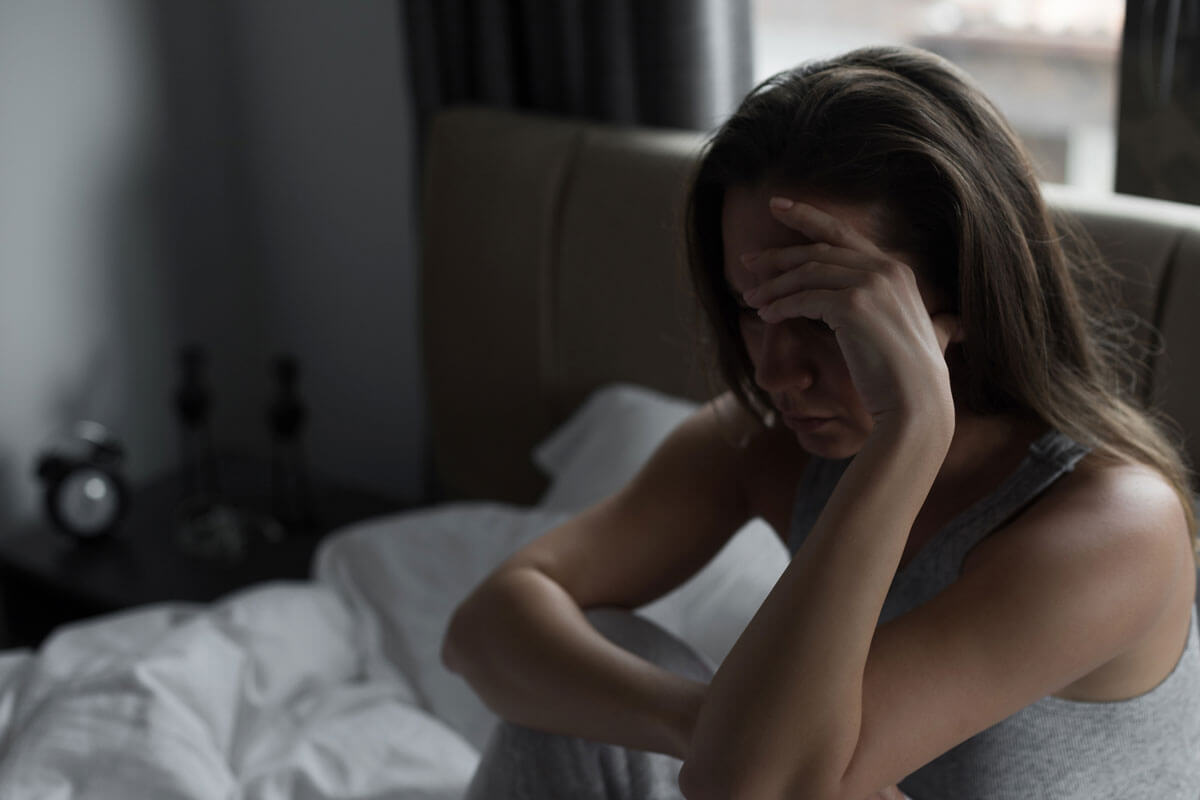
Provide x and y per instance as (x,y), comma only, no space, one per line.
(87,291)
(233,174)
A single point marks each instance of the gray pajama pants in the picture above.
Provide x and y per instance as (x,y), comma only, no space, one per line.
(520,763)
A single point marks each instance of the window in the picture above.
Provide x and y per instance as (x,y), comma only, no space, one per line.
(1050,65)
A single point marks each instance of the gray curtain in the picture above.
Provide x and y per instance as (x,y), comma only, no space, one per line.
(668,63)
(1158,130)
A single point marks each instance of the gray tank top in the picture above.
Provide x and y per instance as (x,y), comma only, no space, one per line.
(1145,747)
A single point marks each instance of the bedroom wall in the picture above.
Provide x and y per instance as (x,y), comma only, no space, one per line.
(330,157)
(229,173)
(85,319)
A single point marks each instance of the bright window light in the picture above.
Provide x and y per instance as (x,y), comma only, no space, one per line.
(1050,65)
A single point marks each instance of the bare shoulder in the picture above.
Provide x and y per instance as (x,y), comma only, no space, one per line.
(1110,505)
(755,447)
(735,422)
(1107,549)
(1085,595)
(718,437)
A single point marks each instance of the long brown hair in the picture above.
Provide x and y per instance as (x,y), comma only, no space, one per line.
(906,128)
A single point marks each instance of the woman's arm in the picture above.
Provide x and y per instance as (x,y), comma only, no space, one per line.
(521,639)
(527,649)
(785,708)
(1071,584)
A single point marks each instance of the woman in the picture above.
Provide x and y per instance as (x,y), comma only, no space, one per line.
(990,593)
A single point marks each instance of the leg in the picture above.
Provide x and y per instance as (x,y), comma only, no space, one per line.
(521,763)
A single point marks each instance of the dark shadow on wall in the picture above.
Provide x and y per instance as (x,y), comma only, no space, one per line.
(9,478)
(206,209)
(86,274)
(124,380)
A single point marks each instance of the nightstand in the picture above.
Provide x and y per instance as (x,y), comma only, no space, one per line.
(47,579)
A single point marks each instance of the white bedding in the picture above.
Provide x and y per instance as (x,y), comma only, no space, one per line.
(260,696)
(330,688)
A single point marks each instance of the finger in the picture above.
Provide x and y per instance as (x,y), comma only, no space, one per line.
(780,259)
(810,275)
(817,304)
(820,226)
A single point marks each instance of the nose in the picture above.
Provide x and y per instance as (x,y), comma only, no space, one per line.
(783,358)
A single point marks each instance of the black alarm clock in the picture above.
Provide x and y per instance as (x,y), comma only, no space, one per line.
(86,496)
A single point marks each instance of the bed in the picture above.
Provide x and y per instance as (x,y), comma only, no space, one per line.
(557,340)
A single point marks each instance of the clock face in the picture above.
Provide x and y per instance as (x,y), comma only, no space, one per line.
(87,501)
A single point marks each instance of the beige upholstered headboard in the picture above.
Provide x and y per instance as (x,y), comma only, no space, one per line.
(551,265)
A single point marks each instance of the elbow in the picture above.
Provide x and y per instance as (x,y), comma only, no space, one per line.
(460,637)
(451,652)
(472,630)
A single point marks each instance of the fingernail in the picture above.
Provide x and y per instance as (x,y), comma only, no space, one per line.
(750,258)
(750,295)
(781,203)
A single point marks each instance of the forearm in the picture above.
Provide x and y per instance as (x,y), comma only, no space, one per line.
(785,708)
(530,653)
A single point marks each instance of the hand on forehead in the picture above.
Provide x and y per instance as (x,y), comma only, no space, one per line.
(749,225)
(753,226)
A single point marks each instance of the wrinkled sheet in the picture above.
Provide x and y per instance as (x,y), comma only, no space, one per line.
(319,690)
(261,696)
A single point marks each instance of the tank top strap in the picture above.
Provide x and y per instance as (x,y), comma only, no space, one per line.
(1051,456)
(1048,458)
(939,562)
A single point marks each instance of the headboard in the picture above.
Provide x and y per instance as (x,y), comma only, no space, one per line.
(551,265)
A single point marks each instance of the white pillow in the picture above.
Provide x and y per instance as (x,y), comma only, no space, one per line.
(601,446)
(405,574)
(712,608)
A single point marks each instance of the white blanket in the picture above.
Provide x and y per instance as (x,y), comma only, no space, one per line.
(260,696)
(324,689)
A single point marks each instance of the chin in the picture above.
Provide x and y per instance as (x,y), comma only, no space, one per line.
(835,451)
(834,445)
(839,438)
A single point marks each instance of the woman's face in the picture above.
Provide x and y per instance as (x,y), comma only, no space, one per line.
(797,362)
